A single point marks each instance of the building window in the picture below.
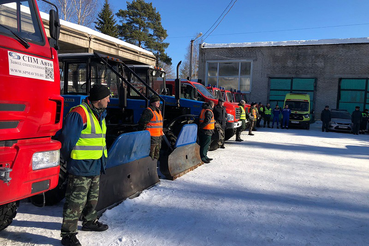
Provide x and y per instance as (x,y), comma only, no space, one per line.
(229,74)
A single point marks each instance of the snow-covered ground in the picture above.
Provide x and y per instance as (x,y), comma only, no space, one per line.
(279,187)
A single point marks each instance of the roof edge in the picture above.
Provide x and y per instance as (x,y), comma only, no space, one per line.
(287,43)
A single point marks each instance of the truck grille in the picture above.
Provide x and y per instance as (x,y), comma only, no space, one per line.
(238,113)
(296,117)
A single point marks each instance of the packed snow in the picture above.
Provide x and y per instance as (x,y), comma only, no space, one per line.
(278,187)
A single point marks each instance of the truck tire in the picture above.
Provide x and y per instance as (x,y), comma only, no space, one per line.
(308,126)
(7,214)
(215,139)
(229,133)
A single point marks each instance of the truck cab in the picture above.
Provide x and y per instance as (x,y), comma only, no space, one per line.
(238,96)
(299,104)
(31,105)
(215,91)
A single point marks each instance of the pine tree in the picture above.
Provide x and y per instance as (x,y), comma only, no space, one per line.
(105,21)
(141,25)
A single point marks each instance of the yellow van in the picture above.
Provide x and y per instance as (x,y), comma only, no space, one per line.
(299,103)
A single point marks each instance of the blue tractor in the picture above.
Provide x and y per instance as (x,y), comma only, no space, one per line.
(130,170)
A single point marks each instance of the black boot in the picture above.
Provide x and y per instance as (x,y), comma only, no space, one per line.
(70,240)
(94,226)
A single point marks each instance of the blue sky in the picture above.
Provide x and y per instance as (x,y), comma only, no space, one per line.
(261,20)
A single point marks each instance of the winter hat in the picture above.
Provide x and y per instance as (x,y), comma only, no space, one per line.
(154,98)
(99,92)
(220,100)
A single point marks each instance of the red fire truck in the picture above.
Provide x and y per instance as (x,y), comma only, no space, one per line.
(30,105)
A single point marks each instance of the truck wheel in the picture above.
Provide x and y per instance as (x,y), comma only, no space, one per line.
(308,126)
(215,139)
(247,125)
(229,133)
(7,214)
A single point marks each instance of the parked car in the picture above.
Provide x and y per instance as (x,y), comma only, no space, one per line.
(341,121)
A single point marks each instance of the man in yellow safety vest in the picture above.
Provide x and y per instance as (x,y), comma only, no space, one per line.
(84,149)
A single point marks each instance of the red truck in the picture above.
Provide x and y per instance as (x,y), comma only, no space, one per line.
(229,96)
(238,95)
(221,92)
(30,105)
(197,91)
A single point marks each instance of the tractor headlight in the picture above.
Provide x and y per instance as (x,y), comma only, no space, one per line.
(41,160)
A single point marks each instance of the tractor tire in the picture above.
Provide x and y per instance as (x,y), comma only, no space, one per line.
(7,214)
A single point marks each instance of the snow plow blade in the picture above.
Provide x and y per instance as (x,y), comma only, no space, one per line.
(129,170)
(185,156)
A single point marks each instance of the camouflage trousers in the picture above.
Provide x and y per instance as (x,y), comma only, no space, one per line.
(80,201)
(155,147)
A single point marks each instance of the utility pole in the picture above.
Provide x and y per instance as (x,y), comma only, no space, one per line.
(191,51)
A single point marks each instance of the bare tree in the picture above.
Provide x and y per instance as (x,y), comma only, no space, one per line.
(82,12)
(86,11)
(185,66)
(171,74)
(66,9)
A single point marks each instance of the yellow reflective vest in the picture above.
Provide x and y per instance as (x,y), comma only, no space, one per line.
(268,111)
(91,144)
(243,113)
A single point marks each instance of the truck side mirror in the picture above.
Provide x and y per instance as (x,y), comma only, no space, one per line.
(54,25)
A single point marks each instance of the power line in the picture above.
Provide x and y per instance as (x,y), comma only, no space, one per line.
(224,15)
(218,18)
(282,30)
(295,29)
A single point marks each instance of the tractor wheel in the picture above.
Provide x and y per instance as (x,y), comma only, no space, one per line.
(7,214)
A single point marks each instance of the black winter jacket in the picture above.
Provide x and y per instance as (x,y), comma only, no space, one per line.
(325,116)
(356,116)
(220,115)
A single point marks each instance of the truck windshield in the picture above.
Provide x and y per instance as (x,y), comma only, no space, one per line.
(240,96)
(204,91)
(298,106)
(229,96)
(19,17)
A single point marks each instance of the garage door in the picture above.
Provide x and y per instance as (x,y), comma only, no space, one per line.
(279,87)
(352,93)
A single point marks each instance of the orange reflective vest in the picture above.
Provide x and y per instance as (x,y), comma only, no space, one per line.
(209,126)
(155,126)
